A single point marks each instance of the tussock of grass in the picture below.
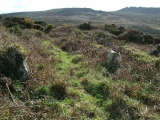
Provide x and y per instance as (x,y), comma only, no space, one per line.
(139,55)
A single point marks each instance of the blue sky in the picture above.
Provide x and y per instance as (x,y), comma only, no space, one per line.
(8,6)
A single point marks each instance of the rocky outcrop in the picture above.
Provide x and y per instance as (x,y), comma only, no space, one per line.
(13,65)
(156,52)
(112,60)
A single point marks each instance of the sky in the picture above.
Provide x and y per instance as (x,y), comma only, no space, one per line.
(8,6)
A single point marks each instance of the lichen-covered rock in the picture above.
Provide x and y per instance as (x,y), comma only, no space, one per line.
(23,71)
(112,60)
(13,64)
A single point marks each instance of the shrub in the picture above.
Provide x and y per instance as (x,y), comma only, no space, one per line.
(38,33)
(137,37)
(110,27)
(37,26)
(42,23)
(48,28)
(85,26)
(157,63)
(16,30)
(9,24)
(113,29)
(29,23)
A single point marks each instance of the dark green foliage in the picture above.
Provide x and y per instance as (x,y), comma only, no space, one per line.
(137,37)
(113,29)
(157,40)
(48,28)
(13,21)
(38,33)
(85,26)
(115,32)
(25,23)
(110,27)
(29,23)
(9,24)
(16,30)
(42,23)
(37,26)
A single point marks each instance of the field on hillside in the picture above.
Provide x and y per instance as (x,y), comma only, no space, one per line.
(68,74)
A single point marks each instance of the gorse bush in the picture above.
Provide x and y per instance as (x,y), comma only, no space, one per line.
(113,29)
(37,26)
(42,23)
(85,26)
(48,28)
(16,30)
(9,24)
(137,37)
(23,23)
(13,21)
(29,23)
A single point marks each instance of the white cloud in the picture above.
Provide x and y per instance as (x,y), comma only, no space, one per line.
(105,5)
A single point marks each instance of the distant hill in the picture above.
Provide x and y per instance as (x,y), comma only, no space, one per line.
(141,10)
(144,19)
(55,12)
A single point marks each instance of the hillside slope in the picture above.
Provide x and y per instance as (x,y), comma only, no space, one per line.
(69,78)
(128,17)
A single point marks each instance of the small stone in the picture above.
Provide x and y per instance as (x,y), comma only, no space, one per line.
(155,53)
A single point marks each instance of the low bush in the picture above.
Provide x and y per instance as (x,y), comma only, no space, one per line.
(137,37)
(113,29)
(29,23)
(48,28)
(85,26)
(37,26)
(16,30)
(9,24)
(42,23)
